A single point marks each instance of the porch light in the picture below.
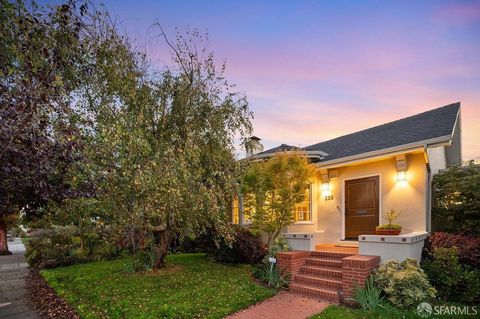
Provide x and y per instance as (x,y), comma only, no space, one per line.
(401,176)
(326,187)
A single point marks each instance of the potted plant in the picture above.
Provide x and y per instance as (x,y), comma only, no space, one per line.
(390,228)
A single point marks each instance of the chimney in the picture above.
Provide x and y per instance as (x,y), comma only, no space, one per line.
(253,146)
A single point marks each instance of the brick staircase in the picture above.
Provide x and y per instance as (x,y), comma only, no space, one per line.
(320,276)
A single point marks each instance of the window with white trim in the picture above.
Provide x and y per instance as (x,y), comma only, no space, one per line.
(303,210)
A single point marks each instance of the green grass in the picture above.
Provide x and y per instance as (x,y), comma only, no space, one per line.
(335,312)
(388,312)
(190,286)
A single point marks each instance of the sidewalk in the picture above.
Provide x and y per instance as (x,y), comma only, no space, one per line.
(12,284)
(285,305)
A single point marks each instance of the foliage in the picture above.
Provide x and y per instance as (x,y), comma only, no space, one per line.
(454,282)
(404,284)
(369,296)
(456,199)
(44,56)
(391,226)
(271,275)
(390,216)
(280,244)
(246,247)
(141,261)
(59,247)
(271,189)
(468,247)
(164,145)
(190,286)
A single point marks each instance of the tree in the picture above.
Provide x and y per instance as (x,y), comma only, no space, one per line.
(165,144)
(41,65)
(271,189)
(456,199)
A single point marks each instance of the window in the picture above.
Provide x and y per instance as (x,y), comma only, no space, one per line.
(235,211)
(302,212)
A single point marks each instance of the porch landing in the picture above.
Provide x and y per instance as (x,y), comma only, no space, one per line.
(342,248)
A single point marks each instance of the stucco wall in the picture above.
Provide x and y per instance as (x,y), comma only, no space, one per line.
(408,196)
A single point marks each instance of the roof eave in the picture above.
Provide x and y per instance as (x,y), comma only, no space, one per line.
(420,145)
(310,154)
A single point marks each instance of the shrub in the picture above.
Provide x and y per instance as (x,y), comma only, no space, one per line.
(271,275)
(453,281)
(404,284)
(58,247)
(280,244)
(52,250)
(245,248)
(468,247)
(369,296)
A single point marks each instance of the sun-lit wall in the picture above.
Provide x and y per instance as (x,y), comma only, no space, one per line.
(407,196)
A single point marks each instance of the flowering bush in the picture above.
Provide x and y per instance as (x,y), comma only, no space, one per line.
(404,284)
(468,247)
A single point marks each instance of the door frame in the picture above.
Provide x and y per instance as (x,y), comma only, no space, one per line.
(380,208)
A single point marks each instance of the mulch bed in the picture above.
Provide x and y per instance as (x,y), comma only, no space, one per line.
(43,298)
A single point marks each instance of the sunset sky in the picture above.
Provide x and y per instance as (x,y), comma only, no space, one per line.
(315,70)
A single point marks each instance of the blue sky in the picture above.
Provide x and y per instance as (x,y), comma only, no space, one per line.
(314,70)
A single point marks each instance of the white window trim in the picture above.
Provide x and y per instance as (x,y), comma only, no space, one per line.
(308,222)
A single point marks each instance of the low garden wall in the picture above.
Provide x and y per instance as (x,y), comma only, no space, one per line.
(397,248)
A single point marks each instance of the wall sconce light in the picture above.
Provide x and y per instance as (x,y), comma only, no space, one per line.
(326,187)
(401,176)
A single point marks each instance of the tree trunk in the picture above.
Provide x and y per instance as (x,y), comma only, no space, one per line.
(3,239)
(82,239)
(162,242)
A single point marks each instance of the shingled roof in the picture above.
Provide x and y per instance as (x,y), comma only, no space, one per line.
(428,125)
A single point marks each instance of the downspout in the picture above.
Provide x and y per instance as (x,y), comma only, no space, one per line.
(428,190)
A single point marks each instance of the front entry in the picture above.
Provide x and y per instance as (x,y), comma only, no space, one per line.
(361,207)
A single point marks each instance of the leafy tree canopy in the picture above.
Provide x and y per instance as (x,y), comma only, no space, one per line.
(456,199)
(271,189)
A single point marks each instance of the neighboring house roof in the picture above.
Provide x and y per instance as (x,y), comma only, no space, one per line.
(430,125)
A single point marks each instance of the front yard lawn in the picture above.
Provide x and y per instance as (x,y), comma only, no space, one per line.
(335,312)
(388,312)
(190,286)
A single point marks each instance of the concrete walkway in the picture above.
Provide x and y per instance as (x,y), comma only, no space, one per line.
(285,305)
(12,284)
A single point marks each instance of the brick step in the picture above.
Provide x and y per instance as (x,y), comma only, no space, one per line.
(330,254)
(321,293)
(322,271)
(320,282)
(323,262)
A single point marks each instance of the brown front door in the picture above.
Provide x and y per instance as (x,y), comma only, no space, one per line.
(361,206)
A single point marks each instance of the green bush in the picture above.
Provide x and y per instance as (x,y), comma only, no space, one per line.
(51,250)
(280,244)
(271,275)
(404,284)
(58,247)
(369,296)
(142,260)
(246,248)
(455,283)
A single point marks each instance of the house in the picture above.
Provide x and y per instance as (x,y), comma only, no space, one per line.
(360,176)
(363,174)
